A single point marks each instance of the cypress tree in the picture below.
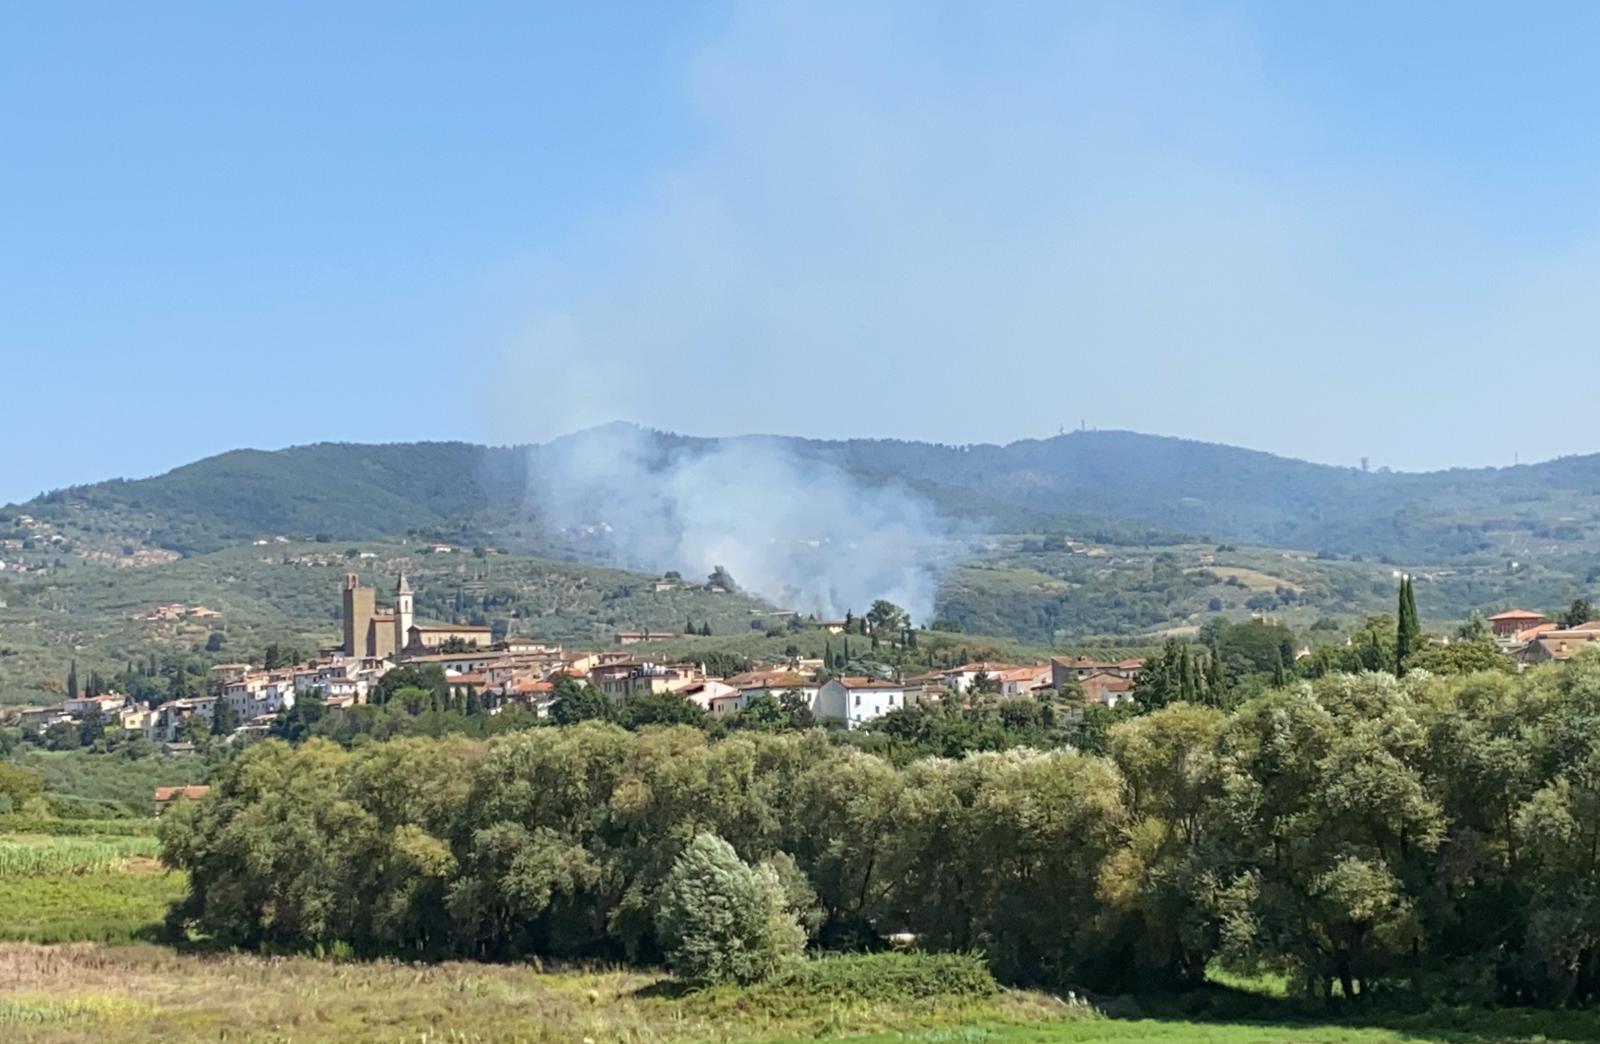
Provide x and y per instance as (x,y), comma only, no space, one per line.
(1279,677)
(1408,632)
(72,681)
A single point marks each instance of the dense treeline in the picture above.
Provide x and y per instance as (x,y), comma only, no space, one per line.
(1357,831)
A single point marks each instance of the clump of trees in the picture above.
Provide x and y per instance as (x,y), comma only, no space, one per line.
(1356,832)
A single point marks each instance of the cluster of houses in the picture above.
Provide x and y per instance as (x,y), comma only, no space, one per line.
(1534,638)
(516,671)
(176,611)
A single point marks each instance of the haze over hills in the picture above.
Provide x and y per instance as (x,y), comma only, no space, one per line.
(1097,537)
(1119,485)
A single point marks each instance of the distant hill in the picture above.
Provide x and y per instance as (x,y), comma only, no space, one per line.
(1098,537)
(1111,484)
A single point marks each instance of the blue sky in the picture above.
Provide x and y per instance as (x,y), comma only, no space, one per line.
(1331,232)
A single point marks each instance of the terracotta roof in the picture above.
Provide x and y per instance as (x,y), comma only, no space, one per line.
(1083,663)
(193,793)
(1022,673)
(768,679)
(1096,687)
(1561,645)
(1517,614)
(868,683)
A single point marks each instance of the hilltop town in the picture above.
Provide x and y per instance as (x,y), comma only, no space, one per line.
(470,667)
(243,700)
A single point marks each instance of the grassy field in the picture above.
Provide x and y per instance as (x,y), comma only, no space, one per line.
(56,994)
(113,906)
(67,880)
(141,993)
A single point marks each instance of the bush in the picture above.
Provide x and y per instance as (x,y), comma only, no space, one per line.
(890,977)
(721,920)
(20,784)
(25,824)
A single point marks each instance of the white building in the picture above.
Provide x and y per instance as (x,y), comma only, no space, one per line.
(104,707)
(706,694)
(856,701)
(752,685)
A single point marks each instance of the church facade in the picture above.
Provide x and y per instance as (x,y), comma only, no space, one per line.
(391,633)
(370,631)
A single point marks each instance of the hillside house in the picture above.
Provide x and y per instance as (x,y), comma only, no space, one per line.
(1559,645)
(165,796)
(635,637)
(1023,681)
(961,678)
(43,717)
(705,694)
(752,685)
(624,681)
(856,701)
(1106,689)
(105,707)
(1064,669)
(1508,623)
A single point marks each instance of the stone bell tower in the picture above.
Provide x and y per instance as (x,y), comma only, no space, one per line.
(402,613)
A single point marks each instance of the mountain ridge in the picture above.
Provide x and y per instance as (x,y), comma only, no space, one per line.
(1148,484)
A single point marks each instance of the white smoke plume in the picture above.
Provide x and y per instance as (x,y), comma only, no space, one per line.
(797,532)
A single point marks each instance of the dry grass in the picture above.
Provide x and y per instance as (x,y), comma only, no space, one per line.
(56,994)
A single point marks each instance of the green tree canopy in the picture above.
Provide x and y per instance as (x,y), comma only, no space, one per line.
(721,920)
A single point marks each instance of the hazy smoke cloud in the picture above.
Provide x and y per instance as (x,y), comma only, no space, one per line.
(799,533)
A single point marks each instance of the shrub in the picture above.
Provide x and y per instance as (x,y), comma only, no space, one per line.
(25,824)
(890,977)
(20,784)
(721,920)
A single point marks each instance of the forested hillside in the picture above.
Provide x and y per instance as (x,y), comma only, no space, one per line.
(1109,485)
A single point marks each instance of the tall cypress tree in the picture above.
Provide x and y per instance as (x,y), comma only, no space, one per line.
(72,681)
(1408,632)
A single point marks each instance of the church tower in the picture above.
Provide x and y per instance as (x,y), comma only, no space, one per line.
(402,614)
(357,611)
